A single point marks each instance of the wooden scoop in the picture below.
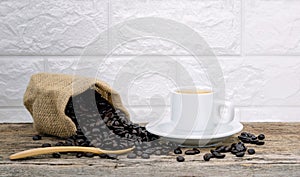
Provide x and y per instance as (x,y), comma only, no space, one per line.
(49,150)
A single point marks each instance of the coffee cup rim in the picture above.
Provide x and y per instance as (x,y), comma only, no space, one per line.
(175,90)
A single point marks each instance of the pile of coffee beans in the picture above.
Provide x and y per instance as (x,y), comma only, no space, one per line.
(246,137)
(101,125)
(238,149)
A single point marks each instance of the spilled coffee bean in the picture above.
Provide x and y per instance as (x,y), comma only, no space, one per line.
(217,155)
(131,156)
(240,154)
(112,156)
(145,156)
(254,141)
(157,152)
(103,156)
(56,155)
(197,151)
(234,151)
(89,154)
(177,151)
(79,155)
(227,149)
(36,137)
(251,151)
(238,147)
(139,153)
(261,137)
(180,159)
(207,156)
(59,144)
(46,145)
(190,152)
(260,143)
(221,149)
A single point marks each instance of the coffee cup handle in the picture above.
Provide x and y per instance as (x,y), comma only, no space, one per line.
(229,115)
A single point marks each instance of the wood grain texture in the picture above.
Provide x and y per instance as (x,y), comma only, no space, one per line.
(280,156)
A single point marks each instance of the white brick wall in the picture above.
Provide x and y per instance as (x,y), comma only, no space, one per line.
(257,43)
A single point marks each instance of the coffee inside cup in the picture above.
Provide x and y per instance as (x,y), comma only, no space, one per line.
(198,91)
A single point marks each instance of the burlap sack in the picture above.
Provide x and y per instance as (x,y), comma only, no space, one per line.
(47,95)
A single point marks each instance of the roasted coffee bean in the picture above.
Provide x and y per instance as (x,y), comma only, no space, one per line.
(260,143)
(246,140)
(217,155)
(46,145)
(240,147)
(233,144)
(68,143)
(227,149)
(145,156)
(138,148)
(56,155)
(79,141)
(59,144)
(79,132)
(240,154)
(134,132)
(103,156)
(87,144)
(234,151)
(79,154)
(197,151)
(189,152)
(244,134)
(177,151)
(70,139)
(251,151)
(36,137)
(253,138)
(261,137)
(139,153)
(89,154)
(157,152)
(180,159)
(112,156)
(131,156)
(254,141)
(207,156)
(221,149)
(165,151)
(149,151)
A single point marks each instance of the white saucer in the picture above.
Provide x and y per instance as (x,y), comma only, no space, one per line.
(167,131)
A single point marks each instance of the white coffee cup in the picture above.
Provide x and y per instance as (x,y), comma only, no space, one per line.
(195,110)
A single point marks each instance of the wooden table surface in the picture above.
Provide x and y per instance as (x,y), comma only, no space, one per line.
(280,156)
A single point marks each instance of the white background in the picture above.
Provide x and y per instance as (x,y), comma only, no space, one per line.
(257,43)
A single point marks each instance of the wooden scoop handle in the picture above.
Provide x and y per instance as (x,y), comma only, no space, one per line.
(49,150)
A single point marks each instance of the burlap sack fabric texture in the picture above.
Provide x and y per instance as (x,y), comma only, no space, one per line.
(47,95)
